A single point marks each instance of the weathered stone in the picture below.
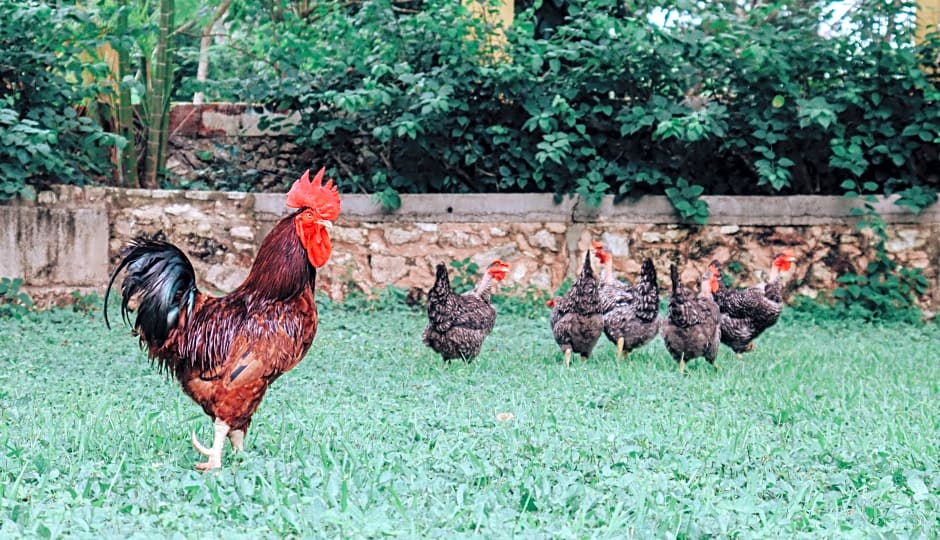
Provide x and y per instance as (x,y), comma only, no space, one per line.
(617,245)
(460,239)
(505,252)
(427,227)
(387,269)
(821,275)
(46,197)
(225,277)
(190,212)
(242,232)
(651,237)
(544,239)
(498,232)
(676,235)
(555,227)
(541,278)
(148,213)
(398,235)
(904,240)
(729,229)
(198,195)
(348,235)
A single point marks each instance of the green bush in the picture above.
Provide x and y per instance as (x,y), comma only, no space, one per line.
(718,100)
(43,137)
(14,303)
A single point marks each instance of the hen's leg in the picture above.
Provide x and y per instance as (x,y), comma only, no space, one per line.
(682,365)
(215,453)
(620,348)
(237,438)
(567,357)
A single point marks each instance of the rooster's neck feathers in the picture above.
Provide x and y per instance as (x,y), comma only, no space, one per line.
(281,269)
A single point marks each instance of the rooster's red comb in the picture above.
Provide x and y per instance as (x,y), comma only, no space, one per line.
(322,199)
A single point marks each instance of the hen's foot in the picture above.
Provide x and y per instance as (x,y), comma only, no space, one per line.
(215,453)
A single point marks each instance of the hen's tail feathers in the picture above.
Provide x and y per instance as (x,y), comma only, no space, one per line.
(164,282)
(648,273)
(647,291)
(587,272)
(674,276)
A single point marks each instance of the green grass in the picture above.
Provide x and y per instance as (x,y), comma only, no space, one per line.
(828,429)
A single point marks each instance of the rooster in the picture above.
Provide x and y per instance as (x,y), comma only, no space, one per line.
(692,327)
(459,323)
(225,351)
(746,313)
(576,318)
(631,313)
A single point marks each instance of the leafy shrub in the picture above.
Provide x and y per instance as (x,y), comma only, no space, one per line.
(13,302)
(43,138)
(719,99)
(885,291)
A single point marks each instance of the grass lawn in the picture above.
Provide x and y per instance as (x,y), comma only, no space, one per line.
(828,429)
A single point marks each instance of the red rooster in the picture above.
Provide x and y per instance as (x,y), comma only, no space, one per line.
(225,351)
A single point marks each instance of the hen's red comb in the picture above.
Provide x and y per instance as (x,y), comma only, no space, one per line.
(322,199)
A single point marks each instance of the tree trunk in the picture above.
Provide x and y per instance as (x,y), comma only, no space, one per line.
(128,162)
(202,69)
(158,93)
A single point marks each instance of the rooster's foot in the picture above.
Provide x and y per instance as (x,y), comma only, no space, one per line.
(215,453)
(620,348)
(237,438)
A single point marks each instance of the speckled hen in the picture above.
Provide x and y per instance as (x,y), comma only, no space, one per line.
(459,323)
(631,313)
(692,328)
(576,318)
(746,313)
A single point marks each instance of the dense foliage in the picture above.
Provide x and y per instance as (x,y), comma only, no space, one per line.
(582,96)
(698,98)
(45,86)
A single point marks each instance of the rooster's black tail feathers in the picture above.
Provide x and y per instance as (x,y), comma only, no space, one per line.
(164,282)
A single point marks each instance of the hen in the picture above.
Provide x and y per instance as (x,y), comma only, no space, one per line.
(576,318)
(746,313)
(225,351)
(631,313)
(692,327)
(459,323)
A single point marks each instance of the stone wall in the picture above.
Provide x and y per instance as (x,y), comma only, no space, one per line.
(372,248)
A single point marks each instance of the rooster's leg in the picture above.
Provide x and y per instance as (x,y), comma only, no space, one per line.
(567,357)
(682,365)
(620,348)
(215,453)
(237,438)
